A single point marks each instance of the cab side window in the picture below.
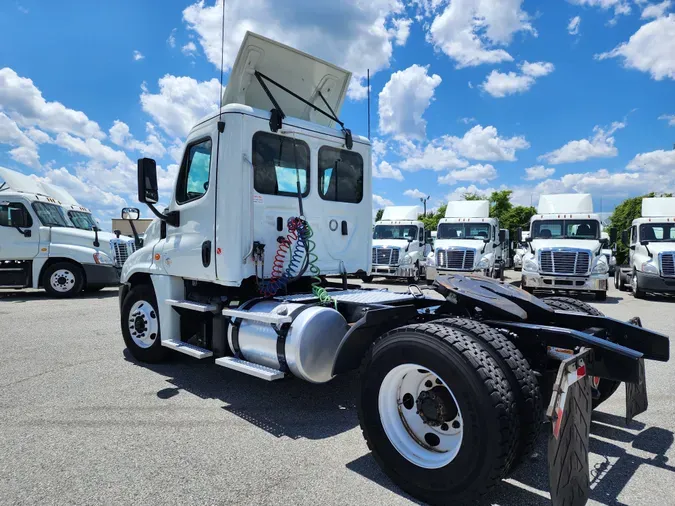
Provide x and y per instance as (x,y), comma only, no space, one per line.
(340,175)
(193,180)
(12,215)
(279,163)
(633,235)
(421,236)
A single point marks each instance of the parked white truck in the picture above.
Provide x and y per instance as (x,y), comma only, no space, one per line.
(268,202)
(565,247)
(51,244)
(468,240)
(651,253)
(522,247)
(400,244)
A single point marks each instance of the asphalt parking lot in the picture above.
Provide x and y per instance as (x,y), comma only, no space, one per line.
(82,423)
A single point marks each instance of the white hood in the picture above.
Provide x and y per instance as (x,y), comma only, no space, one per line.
(661,247)
(391,243)
(476,244)
(587,244)
(85,238)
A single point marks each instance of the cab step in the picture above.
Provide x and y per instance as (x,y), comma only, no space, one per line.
(257,370)
(273,318)
(187,349)
(191,305)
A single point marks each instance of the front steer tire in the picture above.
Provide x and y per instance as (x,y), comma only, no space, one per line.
(154,353)
(484,398)
(521,378)
(63,280)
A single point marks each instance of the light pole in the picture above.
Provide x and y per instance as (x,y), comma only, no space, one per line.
(424,201)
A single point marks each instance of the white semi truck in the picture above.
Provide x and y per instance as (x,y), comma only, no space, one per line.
(522,247)
(651,254)
(268,202)
(468,240)
(565,251)
(52,244)
(400,244)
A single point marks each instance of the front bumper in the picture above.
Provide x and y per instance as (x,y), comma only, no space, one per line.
(653,283)
(102,275)
(578,283)
(434,272)
(393,271)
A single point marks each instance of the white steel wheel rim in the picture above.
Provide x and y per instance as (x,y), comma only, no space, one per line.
(427,443)
(634,283)
(62,280)
(143,324)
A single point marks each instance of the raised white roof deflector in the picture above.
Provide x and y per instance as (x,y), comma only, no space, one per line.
(401,213)
(303,74)
(468,209)
(22,183)
(661,206)
(568,203)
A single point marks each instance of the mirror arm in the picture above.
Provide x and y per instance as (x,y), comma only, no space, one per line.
(96,243)
(25,233)
(137,240)
(172,218)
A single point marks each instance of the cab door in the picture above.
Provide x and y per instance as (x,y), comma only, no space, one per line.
(15,245)
(188,250)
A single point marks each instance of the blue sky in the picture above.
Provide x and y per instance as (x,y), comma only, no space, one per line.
(467,95)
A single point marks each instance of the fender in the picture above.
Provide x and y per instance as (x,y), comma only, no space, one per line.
(143,261)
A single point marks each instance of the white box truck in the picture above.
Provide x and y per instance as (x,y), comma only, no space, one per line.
(468,240)
(565,247)
(651,253)
(400,244)
(268,202)
(51,244)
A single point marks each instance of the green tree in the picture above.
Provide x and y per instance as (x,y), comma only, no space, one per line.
(474,196)
(500,204)
(378,215)
(431,219)
(622,218)
(515,217)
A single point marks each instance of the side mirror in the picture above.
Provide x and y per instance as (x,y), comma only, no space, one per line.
(117,233)
(604,242)
(502,236)
(486,240)
(612,235)
(529,239)
(624,237)
(644,243)
(130,213)
(519,234)
(410,239)
(147,181)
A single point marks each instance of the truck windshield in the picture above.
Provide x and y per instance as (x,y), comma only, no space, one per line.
(657,232)
(566,229)
(463,231)
(82,220)
(51,215)
(403,232)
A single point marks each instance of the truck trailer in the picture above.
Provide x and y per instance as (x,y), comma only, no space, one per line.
(468,240)
(565,247)
(269,200)
(651,254)
(400,245)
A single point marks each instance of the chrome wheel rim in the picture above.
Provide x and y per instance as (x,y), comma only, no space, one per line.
(143,324)
(62,280)
(420,416)
(634,283)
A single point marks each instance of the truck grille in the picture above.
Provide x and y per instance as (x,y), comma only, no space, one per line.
(668,264)
(386,256)
(121,251)
(455,259)
(565,262)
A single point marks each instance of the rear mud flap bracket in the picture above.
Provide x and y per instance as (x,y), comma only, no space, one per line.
(570,414)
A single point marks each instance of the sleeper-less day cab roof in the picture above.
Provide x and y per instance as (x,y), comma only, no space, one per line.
(401,213)
(658,207)
(566,203)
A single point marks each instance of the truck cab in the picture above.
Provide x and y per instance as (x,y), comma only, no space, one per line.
(400,244)
(651,241)
(468,240)
(521,249)
(40,247)
(565,247)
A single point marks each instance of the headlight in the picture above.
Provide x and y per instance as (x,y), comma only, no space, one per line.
(431,259)
(530,266)
(484,263)
(102,258)
(406,260)
(600,267)
(649,268)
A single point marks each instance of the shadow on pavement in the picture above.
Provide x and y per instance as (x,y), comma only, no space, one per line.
(289,408)
(27,296)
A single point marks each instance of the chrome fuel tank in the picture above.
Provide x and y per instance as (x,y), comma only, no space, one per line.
(311,343)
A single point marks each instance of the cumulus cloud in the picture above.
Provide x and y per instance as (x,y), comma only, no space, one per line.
(25,155)
(434,156)
(189,49)
(23,102)
(478,173)
(362,39)
(385,171)
(474,32)
(660,162)
(670,118)
(485,144)
(94,149)
(651,49)
(538,172)
(404,99)
(401,30)
(138,55)
(121,136)
(601,145)
(573,25)
(84,191)
(620,7)
(181,101)
(415,194)
(500,85)
(381,201)
(25,150)
(459,192)
(655,10)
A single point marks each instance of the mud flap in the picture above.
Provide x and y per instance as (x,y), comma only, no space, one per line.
(636,395)
(570,414)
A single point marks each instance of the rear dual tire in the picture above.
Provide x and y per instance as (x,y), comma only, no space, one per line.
(474,387)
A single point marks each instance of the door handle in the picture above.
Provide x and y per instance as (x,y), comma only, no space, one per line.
(206,253)
(344,227)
